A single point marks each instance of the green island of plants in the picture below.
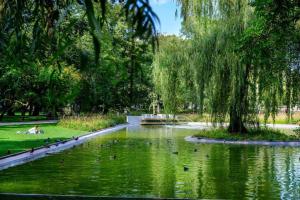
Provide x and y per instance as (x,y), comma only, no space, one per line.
(262,134)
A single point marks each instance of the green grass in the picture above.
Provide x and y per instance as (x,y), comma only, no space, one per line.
(13,142)
(92,122)
(263,134)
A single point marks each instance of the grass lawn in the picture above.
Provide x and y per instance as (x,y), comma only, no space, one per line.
(10,140)
(263,134)
(68,127)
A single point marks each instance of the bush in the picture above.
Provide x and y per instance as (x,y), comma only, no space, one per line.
(263,134)
(92,122)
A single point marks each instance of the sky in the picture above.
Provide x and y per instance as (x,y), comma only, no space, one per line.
(169,23)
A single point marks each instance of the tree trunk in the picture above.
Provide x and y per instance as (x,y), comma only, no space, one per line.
(36,110)
(52,114)
(131,71)
(23,113)
(239,107)
(1,116)
(288,96)
(236,124)
(30,110)
(10,112)
(201,100)
(4,110)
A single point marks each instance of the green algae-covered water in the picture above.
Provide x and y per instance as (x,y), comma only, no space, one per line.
(149,162)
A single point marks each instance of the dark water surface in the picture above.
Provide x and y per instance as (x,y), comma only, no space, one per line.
(143,162)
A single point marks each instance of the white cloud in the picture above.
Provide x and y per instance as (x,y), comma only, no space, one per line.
(159,2)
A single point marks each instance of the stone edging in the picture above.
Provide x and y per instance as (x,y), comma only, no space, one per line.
(27,156)
(241,142)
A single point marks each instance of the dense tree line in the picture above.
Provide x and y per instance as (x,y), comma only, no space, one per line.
(238,57)
(90,56)
(235,58)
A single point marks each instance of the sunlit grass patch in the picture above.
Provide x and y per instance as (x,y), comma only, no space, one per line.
(92,122)
(13,142)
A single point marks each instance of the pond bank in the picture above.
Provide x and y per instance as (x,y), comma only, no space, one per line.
(240,142)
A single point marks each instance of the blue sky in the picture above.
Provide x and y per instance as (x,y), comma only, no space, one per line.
(165,9)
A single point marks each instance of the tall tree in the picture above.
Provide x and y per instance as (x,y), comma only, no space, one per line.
(245,57)
(170,76)
(44,44)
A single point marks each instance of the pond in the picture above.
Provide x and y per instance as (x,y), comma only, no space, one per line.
(157,162)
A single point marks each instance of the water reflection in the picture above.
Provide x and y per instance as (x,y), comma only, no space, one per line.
(149,162)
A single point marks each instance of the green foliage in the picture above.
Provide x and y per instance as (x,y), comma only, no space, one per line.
(271,44)
(253,134)
(242,59)
(47,61)
(297,131)
(45,87)
(121,79)
(169,73)
(92,122)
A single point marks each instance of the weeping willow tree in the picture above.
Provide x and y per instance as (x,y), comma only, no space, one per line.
(244,56)
(221,75)
(170,72)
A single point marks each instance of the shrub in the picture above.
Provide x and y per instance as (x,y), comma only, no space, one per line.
(92,122)
(263,134)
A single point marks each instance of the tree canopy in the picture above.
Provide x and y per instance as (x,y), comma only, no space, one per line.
(242,57)
(91,56)
(234,60)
